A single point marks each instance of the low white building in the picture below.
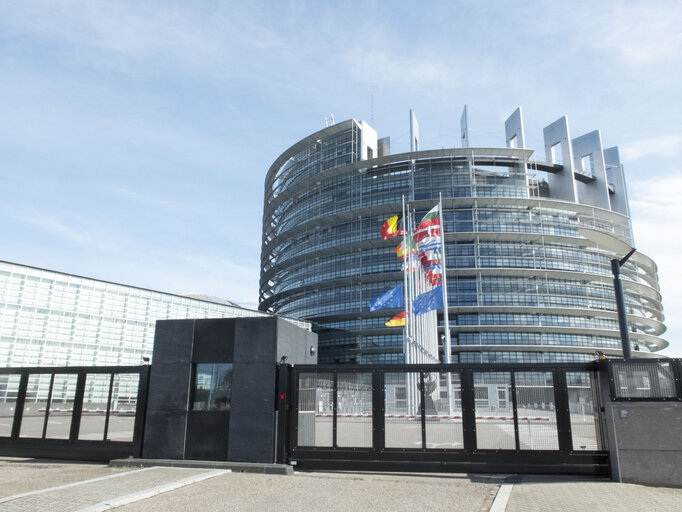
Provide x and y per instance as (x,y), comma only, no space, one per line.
(50,318)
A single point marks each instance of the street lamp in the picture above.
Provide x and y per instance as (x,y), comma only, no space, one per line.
(611,243)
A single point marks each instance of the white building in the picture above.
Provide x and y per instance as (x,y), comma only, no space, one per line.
(50,318)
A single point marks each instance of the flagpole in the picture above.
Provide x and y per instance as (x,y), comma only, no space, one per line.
(409,354)
(407,305)
(419,289)
(446,318)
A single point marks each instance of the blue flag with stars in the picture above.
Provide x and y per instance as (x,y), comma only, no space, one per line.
(428,301)
(391,299)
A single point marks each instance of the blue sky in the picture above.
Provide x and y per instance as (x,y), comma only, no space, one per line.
(135,136)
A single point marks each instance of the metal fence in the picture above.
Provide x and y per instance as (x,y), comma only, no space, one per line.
(498,416)
(89,413)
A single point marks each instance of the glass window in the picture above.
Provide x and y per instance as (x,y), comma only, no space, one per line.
(403,423)
(315,409)
(94,410)
(37,393)
(61,406)
(123,407)
(494,411)
(212,387)
(9,389)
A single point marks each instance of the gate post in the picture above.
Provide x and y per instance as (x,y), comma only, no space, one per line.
(77,406)
(141,409)
(19,406)
(563,414)
(282,413)
(378,411)
(468,411)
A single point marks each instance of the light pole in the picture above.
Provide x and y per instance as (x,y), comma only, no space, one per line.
(616,245)
(620,303)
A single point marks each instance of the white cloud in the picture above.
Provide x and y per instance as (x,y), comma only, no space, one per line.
(388,68)
(637,33)
(142,30)
(657,213)
(225,276)
(643,34)
(661,145)
(81,231)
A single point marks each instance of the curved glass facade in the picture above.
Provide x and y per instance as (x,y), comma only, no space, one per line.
(523,284)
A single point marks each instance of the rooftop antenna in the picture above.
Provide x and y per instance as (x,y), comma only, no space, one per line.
(329,119)
(464,127)
(371,109)
(414,132)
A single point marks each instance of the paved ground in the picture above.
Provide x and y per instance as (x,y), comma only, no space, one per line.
(29,484)
(584,496)
(100,493)
(24,475)
(328,492)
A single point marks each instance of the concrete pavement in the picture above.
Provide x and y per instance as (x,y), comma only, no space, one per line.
(329,492)
(102,492)
(29,484)
(547,494)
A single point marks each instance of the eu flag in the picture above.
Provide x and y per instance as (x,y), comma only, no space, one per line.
(428,301)
(391,299)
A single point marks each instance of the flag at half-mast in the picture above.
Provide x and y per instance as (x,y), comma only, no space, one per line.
(390,228)
(431,257)
(429,241)
(428,301)
(405,247)
(397,321)
(393,298)
(429,227)
(435,277)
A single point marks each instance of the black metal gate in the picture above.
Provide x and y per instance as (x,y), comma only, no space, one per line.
(83,413)
(540,418)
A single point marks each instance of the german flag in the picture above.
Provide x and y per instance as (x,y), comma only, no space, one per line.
(397,321)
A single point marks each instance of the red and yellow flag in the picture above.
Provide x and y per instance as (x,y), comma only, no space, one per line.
(401,251)
(390,228)
(397,321)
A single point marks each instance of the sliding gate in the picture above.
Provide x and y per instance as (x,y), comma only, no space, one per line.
(482,418)
(73,412)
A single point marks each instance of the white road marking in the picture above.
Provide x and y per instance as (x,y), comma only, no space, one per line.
(502,497)
(74,484)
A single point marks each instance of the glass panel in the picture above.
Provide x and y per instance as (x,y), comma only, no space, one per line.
(494,411)
(37,392)
(61,406)
(123,406)
(315,409)
(403,424)
(94,411)
(536,410)
(212,387)
(581,405)
(644,380)
(354,410)
(443,410)
(9,389)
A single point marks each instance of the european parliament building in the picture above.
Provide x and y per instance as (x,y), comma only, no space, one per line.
(524,285)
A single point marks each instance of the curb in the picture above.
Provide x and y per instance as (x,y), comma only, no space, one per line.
(235,467)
